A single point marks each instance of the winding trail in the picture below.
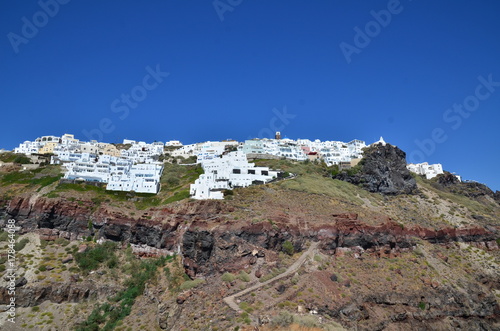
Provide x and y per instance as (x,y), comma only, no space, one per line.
(229,300)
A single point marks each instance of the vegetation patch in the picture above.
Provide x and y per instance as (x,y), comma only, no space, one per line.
(177,197)
(108,315)
(228,277)
(41,177)
(188,284)
(94,257)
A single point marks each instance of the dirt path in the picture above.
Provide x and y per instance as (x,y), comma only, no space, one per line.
(292,269)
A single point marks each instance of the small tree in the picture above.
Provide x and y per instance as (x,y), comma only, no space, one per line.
(288,247)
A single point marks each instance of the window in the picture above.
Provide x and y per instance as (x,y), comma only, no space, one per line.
(264,172)
(251,172)
(236,171)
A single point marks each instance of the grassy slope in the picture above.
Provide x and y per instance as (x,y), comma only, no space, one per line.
(175,183)
(431,207)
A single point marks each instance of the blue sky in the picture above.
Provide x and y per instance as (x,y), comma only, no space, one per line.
(423,74)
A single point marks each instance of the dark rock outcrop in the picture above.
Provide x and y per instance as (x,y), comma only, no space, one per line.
(468,309)
(28,296)
(383,170)
(450,183)
(197,249)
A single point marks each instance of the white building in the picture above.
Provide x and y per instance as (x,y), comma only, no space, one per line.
(141,178)
(120,174)
(142,152)
(28,147)
(204,151)
(227,172)
(173,143)
(429,170)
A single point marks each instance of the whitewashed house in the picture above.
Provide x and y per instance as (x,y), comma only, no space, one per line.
(140,178)
(227,172)
(142,152)
(28,147)
(173,143)
(185,151)
(429,170)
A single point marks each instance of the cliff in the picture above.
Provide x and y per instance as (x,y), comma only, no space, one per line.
(384,261)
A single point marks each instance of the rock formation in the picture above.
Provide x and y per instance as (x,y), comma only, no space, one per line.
(383,170)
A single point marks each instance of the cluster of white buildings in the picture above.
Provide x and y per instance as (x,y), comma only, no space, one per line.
(204,151)
(119,173)
(134,167)
(137,151)
(227,172)
(331,152)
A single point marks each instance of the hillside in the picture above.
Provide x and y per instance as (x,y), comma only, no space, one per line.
(373,249)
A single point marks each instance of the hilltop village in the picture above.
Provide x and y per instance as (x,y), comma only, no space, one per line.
(137,166)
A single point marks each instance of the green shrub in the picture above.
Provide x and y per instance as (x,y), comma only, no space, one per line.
(4,236)
(288,248)
(91,259)
(244,276)
(61,241)
(172,180)
(228,277)
(284,318)
(112,261)
(245,306)
(21,244)
(309,321)
(188,284)
(22,159)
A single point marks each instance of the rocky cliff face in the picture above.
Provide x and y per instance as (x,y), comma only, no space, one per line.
(211,243)
(450,183)
(383,170)
(29,296)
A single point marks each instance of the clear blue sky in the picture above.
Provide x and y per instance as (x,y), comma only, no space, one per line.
(66,73)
